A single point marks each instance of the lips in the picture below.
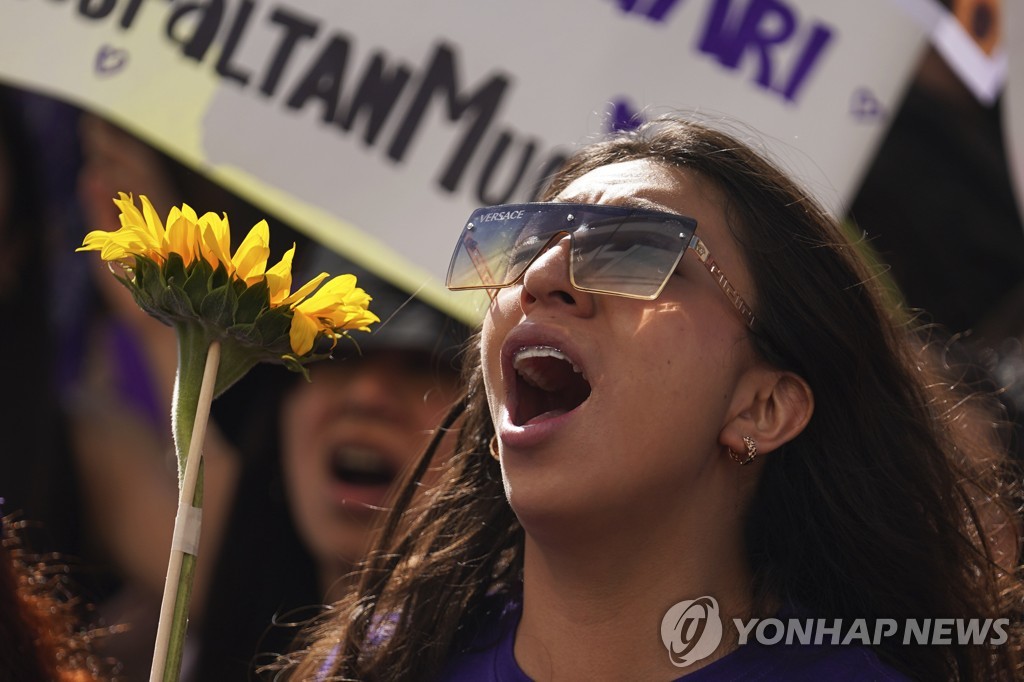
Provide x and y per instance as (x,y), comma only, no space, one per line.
(548,384)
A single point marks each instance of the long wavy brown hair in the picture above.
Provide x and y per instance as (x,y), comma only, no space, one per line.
(897,500)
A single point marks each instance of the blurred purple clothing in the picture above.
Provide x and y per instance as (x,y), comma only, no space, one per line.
(494,660)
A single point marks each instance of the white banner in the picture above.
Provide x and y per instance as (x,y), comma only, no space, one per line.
(377,127)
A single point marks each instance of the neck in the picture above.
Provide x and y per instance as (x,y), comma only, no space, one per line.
(594,611)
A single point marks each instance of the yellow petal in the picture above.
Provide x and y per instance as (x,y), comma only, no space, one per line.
(250,260)
(153,224)
(95,240)
(330,295)
(215,242)
(189,213)
(340,305)
(302,333)
(181,236)
(361,320)
(129,214)
(150,240)
(119,246)
(279,278)
(112,251)
(306,289)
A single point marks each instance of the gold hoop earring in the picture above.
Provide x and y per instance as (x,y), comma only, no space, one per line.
(751,452)
(494,448)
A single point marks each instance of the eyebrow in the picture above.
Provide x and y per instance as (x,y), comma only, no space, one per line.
(637,203)
(648,205)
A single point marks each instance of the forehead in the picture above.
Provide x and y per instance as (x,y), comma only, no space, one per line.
(644,183)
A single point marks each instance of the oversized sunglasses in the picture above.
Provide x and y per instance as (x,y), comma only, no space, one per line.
(615,250)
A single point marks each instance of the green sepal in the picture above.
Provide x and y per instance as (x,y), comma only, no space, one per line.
(273,327)
(246,334)
(146,272)
(218,277)
(142,297)
(146,283)
(295,365)
(174,300)
(218,308)
(197,284)
(173,270)
(252,302)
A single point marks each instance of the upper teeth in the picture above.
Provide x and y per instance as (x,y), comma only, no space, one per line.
(523,354)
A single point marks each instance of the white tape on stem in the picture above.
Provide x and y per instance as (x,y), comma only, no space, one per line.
(186,529)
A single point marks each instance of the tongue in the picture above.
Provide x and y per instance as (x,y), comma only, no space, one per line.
(550,388)
(544,416)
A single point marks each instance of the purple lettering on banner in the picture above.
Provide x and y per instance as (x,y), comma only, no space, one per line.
(820,37)
(728,44)
(865,107)
(624,116)
(765,26)
(655,10)
(110,60)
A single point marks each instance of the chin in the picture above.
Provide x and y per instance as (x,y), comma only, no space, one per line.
(544,512)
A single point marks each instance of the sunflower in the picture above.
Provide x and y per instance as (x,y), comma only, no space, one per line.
(229,311)
(185,273)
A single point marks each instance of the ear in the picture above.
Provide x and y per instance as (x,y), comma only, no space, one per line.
(771,406)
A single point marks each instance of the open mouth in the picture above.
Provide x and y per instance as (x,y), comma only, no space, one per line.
(548,384)
(361,467)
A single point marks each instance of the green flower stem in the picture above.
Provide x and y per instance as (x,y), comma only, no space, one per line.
(198,363)
(193,344)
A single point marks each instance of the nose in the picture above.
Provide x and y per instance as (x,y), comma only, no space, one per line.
(546,282)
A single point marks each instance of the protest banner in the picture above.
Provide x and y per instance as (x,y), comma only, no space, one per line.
(377,128)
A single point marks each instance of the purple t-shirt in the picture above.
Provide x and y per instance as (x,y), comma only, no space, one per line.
(494,659)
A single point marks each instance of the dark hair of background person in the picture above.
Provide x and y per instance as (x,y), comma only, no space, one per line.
(878,509)
(266,584)
(264,572)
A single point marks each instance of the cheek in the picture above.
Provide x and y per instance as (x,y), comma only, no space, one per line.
(300,417)
(674,362)
(297,471)
(490,358)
